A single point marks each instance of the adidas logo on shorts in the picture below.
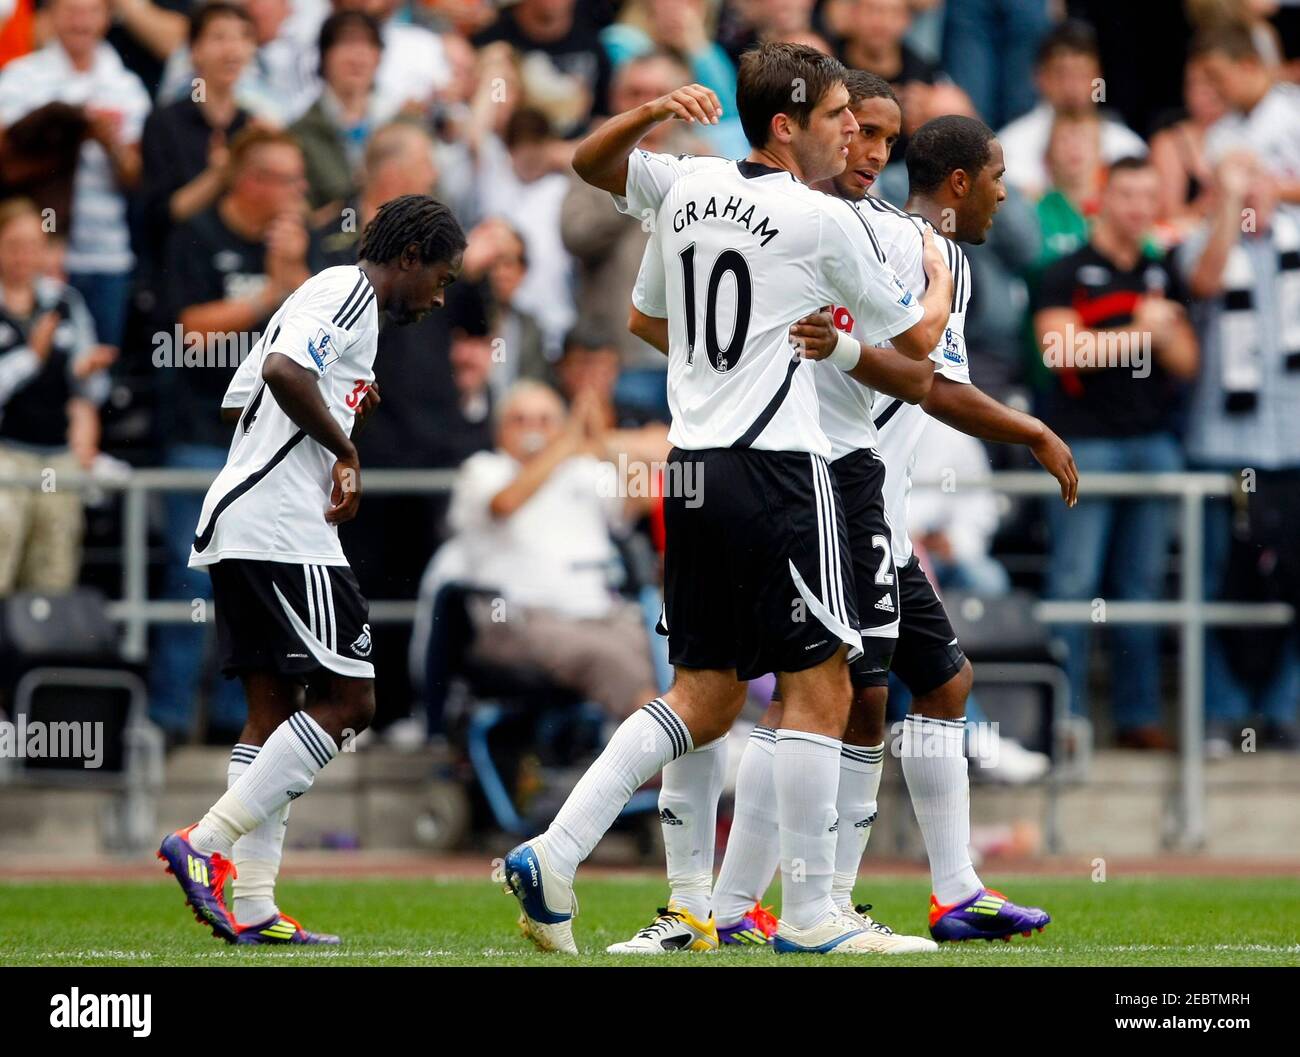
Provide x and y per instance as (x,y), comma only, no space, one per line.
(886,603)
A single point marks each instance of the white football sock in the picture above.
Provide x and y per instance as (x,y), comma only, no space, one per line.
(688,812)
(754,844)
(934,765)
(807,774)
(860,771)
(648,739)
(285,769)
(257,854)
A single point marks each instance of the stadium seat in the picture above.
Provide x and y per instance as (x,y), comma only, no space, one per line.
(61,664)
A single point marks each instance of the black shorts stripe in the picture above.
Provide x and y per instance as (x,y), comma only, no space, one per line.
(202,540)
(765,416)
(309,738)
(348,302)
(357,313)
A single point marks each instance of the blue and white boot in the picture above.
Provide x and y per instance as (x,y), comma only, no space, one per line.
(547,903)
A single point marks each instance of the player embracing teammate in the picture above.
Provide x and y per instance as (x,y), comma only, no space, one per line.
(955,171)
(759,575)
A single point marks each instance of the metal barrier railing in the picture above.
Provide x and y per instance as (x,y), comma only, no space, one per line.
(1190,614)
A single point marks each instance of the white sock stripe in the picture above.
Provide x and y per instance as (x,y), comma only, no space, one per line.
(329,604)
(298,721)
(671,725)
(955,723)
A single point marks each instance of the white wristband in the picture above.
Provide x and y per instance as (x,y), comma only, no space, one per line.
(847,352)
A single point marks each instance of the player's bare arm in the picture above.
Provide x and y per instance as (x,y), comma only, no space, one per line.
(882,369)
(601,158)
(296,391)
(653,330)
(972,411)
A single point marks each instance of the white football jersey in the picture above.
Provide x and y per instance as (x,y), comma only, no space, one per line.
(269,501)
(898,424)
(746,250)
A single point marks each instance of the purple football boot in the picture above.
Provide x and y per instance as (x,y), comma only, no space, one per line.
(281,929)
(203,880)
(755,929)
(987,915)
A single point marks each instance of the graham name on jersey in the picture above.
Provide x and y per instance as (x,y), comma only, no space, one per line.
(693,211)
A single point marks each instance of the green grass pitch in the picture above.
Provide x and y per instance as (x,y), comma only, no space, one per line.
(1128,921)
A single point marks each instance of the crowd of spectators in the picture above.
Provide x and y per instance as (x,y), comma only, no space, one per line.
(171,170)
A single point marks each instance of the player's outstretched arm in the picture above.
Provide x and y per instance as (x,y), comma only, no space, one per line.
(919,340)
(972,411)
(601,158)
(296,390)
(881,369)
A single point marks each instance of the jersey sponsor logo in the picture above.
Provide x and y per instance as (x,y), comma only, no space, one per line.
(322,350)
(951,349)
(842,318)
(361,647)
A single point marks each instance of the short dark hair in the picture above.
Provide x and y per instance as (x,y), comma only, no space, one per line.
(942,146)
(1071,37)
(412,219)
(1130,163)
(526,125)
(340,24)
(766,80)
(863,85)
(205,14)
(588,335)
(1225,38)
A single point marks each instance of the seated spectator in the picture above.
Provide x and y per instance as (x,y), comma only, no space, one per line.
(954,522)
(873,41)
(398,161)
(680,28)
(588,369)
(415,65)
(565,70)
(277,87)
(52,381)
(534,517)
(79,68)
(606,246)
(186,145)
(1243,414)
(1112,329)
(1263,112)
(1068,74)
(334,131)
(228,270)
(1178,152)
(496,254)
(1076,173)
(523,178)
